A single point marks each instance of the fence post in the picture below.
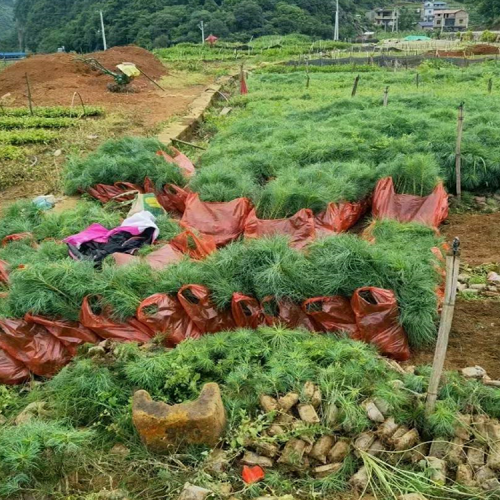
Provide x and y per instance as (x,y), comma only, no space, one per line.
(355,86)
(417,80)
(452,270)
(490,85)
(386,97)
(458,151)
(30,101)
(308,78)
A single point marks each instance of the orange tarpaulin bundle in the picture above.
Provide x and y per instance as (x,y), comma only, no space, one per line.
(430,210)
(181,160)
(299,227)
(224,221)
(339,217)
(165,315)
(377,320)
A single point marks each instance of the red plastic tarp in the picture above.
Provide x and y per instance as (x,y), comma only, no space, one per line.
(16,237)
(430,210)
(286,312)
(4,272)
(247,312)
(71,333)
(339,217)
(224,221)
(158,259)
(331,314)
(300,227)
(181,160)
(195,300)
(119,191)
(377,319)
(197,246)
(164,314)
(12,371)
(34,346)
(106,328)
(171,197)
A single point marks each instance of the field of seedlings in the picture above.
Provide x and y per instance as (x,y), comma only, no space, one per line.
(290,253)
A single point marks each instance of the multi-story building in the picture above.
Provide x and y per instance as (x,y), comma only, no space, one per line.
(385,18)
(451,20)
(427,13)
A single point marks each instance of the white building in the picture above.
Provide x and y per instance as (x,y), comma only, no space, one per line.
(428,12)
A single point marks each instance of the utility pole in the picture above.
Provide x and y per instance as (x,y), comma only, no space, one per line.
(105,45)
(336,32)
(202,28)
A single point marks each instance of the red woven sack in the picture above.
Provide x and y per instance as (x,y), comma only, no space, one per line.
(164,314)
(377,319)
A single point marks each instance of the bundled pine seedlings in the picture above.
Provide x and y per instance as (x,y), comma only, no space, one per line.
(129,159)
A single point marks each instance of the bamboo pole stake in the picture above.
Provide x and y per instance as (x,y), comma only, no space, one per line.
(417,80)
(151,80)
(81,102)
(189,144)
(308,77)
(386,97)
(490,85)
(458,151)
(30,101)
(452,270)
(355,86)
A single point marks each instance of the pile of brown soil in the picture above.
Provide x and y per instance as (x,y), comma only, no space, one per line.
(54,79)
(474,50)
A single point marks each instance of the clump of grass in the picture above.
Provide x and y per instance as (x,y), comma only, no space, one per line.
(27,136)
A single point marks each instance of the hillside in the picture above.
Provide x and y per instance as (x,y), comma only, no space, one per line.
(6,17)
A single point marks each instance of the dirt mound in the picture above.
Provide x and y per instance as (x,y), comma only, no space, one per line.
(474,50)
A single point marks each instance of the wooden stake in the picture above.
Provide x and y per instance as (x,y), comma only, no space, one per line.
(355,86)
(151,80)
(189,144)
(452,270)
(308,78)
(417,80)
(81,102)
(490,85)
(30,102)
(458,151)
(386,97)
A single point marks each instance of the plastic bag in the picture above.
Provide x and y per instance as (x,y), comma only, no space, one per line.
(148,202)
(431,210)
(129,331)
(16,237)
(12,371)
(195,300)
(159,259)
(196,246)
(339,217)
(287,313)
(164,314)
(251,475)
(224,221)
(71,333)
(34,346)
(119,191)
(300,227)
(181,160)
(4,271)
(247,312)
(331,314)
(377,319)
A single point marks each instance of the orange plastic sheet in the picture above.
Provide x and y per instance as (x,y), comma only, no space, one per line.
(71,333)
(119,191)
(165,315)
(158,259)
(12,371)
(4,271)
(106,328)
(287,313)
(430,210)
(16,237)
(197,246)
(299,227)
(339,217)
(377,319)
(172,198)
(331,314)
(31,344)
(224,221)
(195,300)
(247,312)
(181,160)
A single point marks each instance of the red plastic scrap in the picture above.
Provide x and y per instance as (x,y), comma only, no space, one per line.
(252,474)
(300,227)
(12,371)
(171,197)
(165,315)
(331,314)
(34,346)
(224,221)
(339,217)
(247,312)
(16,237)
(158,259)
(195,300)
(119,191)
(106,328)
(287,313)
(4,271)
(430,210)
(181,160)
(377,319)
(197,246)
(71,333)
